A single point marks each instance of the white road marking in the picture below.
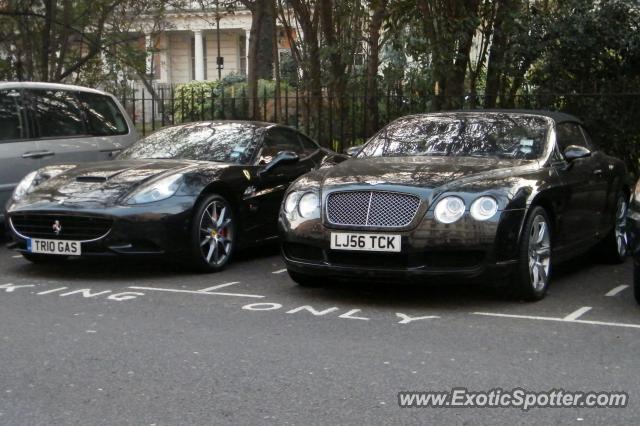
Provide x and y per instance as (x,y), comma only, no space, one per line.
(406,319)
(577,314)
(19,256)
(279,271)
(617,290)
(216,287)
(52,290)
(350,315)
(173,290)
(10,287)
(530,317)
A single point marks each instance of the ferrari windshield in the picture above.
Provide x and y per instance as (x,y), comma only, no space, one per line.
(222,142)
(516,136)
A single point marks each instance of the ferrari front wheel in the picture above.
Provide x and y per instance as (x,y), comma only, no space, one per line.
(212,234)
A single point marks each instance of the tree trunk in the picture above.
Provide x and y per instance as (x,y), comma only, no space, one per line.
(260,55)
(49,12)
(373,112)
(496,64)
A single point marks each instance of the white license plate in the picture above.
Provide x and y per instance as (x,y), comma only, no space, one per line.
(67,248)
(365,242)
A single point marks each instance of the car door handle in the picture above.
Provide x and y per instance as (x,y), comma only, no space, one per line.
(38,154)
(597,172)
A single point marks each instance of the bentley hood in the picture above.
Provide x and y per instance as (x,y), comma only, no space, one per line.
(421,172)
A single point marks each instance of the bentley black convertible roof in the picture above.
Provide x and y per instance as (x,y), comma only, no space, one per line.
(558,117)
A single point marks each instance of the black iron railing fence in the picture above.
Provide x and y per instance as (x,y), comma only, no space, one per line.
(347,119)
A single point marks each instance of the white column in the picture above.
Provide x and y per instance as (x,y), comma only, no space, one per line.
(165,57)
(246,51)
(148,42)
(199,55)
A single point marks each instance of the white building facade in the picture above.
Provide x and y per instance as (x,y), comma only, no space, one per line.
(187,49)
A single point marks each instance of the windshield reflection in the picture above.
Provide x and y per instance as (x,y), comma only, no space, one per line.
(464,134)
(220,142)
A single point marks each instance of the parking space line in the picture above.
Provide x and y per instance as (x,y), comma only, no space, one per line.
(216,287)
(577,314)
(617,290)
(52,290)
(18,256)
(530,317)
(175,290)
(279,271)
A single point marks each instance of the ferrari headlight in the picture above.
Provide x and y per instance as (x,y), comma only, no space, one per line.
(484,208)
(291,202)
(24,186)
(309,205)
(449,209)
(157,191)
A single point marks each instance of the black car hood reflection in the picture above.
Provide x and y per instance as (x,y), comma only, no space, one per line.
(97,185)
(422,172)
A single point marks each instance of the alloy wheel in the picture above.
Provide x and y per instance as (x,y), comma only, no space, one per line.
(621,227)
(216,237)
(539,253)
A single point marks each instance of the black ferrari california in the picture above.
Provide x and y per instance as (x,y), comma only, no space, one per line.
(197,191)
(492,195)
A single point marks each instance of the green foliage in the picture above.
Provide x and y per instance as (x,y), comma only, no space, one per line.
(595,48)
(204,100)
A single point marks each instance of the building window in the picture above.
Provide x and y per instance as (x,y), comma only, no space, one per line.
(193,57)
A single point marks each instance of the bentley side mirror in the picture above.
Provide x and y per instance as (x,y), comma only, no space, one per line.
(574,152)
(354,150)
(283,158)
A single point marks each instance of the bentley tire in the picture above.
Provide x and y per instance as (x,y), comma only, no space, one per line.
(213,232)
(614,247)
(534,267)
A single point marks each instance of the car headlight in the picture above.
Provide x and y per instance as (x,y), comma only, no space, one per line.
(157,191)
(449,209)
(484,208)
(291,202)
(24,186)
(309,205)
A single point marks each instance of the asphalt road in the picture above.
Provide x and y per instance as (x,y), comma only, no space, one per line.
(146,343)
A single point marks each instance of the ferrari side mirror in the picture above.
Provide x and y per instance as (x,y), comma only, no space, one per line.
(283,158)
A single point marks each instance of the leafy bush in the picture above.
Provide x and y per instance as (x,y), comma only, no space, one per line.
(225,99)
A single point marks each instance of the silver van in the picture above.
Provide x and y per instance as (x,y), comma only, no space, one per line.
(43,124)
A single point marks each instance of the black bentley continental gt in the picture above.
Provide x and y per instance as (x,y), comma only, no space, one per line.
(197,191)
(491,195)
(633,226)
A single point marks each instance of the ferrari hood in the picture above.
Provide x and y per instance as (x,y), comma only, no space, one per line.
(95,185)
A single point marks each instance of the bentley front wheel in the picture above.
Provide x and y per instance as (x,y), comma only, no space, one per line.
(534,268)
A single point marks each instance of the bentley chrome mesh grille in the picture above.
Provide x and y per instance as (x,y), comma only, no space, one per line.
(372,208)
